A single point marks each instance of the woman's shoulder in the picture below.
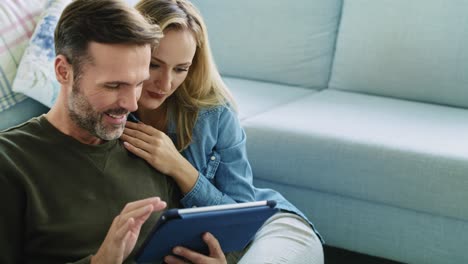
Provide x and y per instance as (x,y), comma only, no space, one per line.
(219,111)
(218,119)
(219,123)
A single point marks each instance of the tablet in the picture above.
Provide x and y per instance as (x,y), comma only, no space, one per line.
(234,225)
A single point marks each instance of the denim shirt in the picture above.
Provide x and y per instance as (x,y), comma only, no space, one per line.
(218,152)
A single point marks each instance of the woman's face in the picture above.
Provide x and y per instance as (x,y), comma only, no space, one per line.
(169,66)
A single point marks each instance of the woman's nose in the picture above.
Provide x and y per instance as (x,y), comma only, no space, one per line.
(164,81)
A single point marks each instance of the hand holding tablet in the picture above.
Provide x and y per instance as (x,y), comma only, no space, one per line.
(234,225)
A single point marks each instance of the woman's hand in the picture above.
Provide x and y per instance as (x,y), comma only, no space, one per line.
(153,146)
(216,255)
(125,229)
(159,151)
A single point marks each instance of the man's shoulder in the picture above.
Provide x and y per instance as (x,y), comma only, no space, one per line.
(18,146)
(20,133)
(31,123)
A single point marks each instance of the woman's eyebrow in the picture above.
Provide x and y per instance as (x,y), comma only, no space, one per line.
(163,62)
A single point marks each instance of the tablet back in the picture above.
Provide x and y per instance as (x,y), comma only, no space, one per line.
(234,228)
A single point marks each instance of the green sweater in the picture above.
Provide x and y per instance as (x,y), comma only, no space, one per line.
(59,196)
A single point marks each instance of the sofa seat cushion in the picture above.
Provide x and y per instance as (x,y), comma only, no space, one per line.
(405,154)
(254,97)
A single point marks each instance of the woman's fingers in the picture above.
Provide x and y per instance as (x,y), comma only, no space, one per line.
(138,134)
(138,151)
(136,142)
(150,144)
(149,130)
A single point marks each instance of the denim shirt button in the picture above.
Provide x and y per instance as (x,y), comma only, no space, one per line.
(213,157)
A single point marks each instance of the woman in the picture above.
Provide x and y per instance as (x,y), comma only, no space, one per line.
(193,135)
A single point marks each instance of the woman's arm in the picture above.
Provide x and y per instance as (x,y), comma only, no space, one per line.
(219,154)
(215,169)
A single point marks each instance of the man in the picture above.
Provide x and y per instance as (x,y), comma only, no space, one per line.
(64,176)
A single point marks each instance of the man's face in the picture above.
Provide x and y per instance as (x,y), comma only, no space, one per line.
(108,88)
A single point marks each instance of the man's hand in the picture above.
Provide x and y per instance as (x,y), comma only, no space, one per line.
(216,253)
(125,229)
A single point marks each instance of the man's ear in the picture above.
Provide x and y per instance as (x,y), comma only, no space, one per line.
(63,70)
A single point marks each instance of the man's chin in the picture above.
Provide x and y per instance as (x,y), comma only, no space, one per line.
(109,134)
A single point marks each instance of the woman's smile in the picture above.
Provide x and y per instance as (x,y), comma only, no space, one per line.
(155,95)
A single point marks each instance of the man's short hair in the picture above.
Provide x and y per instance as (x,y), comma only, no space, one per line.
(102,21)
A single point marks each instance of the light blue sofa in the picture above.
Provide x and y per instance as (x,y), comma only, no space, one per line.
(357,111)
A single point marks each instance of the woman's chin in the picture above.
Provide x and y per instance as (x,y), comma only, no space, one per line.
(150,104)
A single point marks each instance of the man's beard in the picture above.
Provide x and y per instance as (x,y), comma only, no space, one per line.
(84,115)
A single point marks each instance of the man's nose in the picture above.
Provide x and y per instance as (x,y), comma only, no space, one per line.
(129,98)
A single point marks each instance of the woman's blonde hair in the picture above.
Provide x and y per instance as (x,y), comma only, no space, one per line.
(203,86)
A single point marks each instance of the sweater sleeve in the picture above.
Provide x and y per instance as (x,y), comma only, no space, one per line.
(11,232)
(86,260)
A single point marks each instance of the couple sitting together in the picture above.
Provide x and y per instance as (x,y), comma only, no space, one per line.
(79,183)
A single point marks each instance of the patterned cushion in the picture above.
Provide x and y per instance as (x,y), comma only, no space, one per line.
(36,76)
(17,22)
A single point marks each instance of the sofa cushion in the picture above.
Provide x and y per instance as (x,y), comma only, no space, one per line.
(17,22)
(405,154)
(21,112)
(272,41)
(407,49)
(254,97)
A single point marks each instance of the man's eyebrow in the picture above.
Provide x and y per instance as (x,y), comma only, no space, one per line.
(125,83)
(116,82)
(163,62)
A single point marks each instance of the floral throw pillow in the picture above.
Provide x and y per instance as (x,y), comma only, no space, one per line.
(17,22)
(36,76)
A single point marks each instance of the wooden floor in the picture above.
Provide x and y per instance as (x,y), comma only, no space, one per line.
(340,256)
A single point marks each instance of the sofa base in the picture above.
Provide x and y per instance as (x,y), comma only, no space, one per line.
(334,255)
(378,229)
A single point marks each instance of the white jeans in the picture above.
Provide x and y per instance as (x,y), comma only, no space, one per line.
(284,238)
